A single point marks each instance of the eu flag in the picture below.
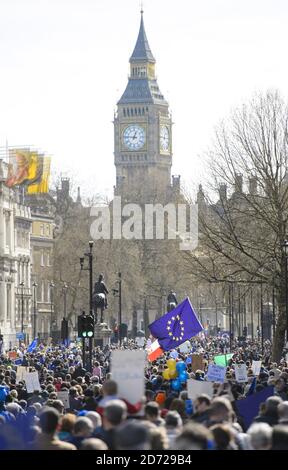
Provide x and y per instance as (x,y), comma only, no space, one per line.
(176,326)
(32,346)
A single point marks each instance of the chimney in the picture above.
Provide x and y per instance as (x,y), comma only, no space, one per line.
(238,183)
(176,182)
(200,195)
(78,200)
(253,186)
(223,192)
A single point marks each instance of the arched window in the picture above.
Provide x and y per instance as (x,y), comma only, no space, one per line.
(131,111)
(124,111)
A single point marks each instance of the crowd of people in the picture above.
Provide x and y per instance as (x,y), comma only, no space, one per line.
(97,417)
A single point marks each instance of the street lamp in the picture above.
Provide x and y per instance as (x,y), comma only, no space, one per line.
(90,269)
(64,290)
(285,251)
(34,316)
(51,285)
(22,306)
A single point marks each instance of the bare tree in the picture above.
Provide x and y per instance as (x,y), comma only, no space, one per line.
(242,233)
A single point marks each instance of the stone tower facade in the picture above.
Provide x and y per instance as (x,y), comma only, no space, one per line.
(142,130)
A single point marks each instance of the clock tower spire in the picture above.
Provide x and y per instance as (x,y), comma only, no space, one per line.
(142,128)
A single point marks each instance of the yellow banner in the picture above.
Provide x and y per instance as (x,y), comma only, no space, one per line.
(25,166)
(43,185)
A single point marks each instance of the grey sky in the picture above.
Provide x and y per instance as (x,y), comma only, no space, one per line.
(64,65)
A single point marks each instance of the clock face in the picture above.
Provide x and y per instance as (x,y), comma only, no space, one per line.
(134,137)
(164,138)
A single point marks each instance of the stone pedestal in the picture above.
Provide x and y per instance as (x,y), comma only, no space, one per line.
(102,336)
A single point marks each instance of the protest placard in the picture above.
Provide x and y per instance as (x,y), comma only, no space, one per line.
(223,359)
(256,366)
(127,369)
(216,373)
(241,373)
(64,397)
(197,387)
(185,347)
(12,355)
(140,341)
(20,374)
(197,362)
(32,382)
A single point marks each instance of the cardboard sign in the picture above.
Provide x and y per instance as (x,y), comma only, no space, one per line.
(185,347)
(64,397)
(197,362)
(256,366)
(241,373)
(140,341)
(127,369)
(12,355)
(216,373)
(32,382)
(197,387)
(21,373)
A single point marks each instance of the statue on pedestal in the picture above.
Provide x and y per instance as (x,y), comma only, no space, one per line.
(171,301)
(99,297)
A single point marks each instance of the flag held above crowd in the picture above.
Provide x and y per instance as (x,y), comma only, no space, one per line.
(28,168)
(176,327)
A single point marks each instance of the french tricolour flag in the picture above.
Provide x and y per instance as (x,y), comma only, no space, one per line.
(154,351)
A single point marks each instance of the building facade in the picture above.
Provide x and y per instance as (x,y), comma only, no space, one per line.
(15,263)
(42,244)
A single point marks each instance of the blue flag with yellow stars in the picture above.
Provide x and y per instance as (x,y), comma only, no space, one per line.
(176,326)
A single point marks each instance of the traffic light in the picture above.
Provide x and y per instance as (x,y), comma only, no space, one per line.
(64,329)
(85,326)
(89,327)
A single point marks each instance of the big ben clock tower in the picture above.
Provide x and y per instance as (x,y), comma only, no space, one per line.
(142,129)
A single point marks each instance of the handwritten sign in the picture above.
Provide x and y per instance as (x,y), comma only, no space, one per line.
(185,347)
(128,371)
(256,367)
(32,382)
(140,341)
(12,355)
(216,373)
(197,362)
(241,373)
(64,397)
(20,374)
(197,387)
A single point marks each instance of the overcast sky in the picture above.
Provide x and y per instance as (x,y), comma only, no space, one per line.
(64,65)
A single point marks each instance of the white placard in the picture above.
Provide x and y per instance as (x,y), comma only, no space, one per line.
(20,374)
(197,387)
(140,341)
(216,373)
(127,369)
(256,366)
(241,373)
(32,382)
(64,397)
(185,347)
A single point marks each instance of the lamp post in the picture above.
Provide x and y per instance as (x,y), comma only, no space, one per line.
(120,307)
(22,306)
(34,313)
(89,254)
(118,293)
(64,290)
(51,285)
(90,269)
(285,252)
